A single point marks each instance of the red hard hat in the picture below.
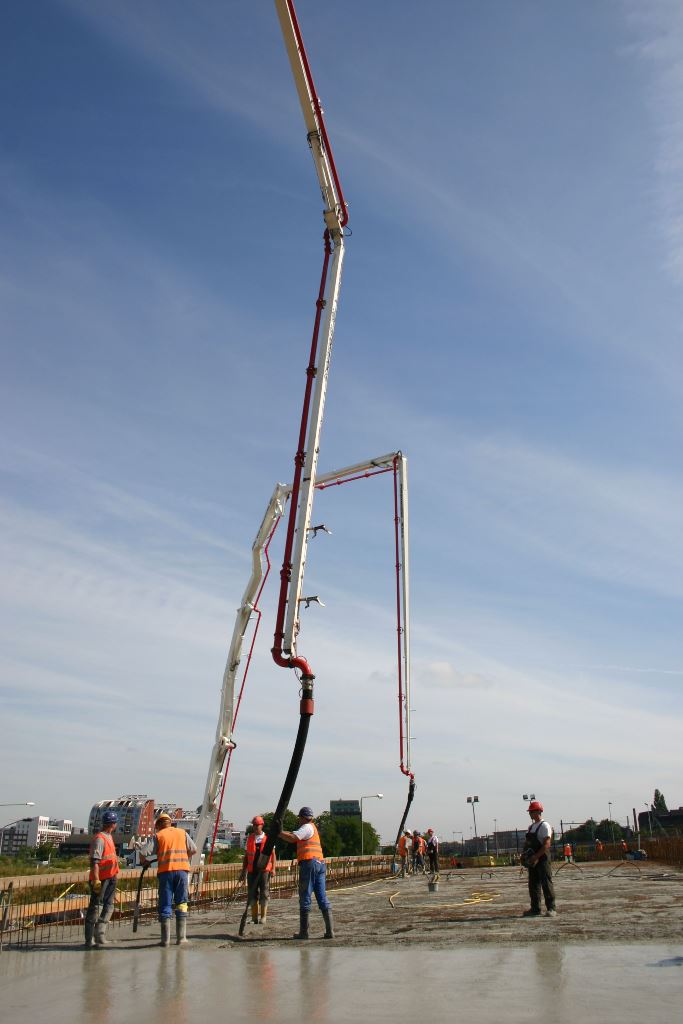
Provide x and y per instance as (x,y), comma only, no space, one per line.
(536,805)
(258,820)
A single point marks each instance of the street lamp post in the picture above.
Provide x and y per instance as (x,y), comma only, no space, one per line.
(368,796)
(23,803)
(611,823)
(649,818)
(474,800)
(495,834)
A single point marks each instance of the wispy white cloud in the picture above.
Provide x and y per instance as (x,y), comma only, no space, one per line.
(659,30)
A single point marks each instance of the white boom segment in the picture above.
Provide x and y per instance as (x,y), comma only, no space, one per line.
(308,481)
(275,509)
(334,213)
(224,741)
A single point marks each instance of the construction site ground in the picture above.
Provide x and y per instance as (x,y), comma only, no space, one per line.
(614,953)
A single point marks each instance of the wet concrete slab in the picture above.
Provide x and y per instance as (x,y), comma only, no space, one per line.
(625,983)
(463,953)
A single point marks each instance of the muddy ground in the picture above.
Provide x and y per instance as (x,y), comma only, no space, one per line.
(595,902)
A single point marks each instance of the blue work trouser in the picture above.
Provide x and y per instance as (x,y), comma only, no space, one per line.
(101,905)
(172,890)
(312,880)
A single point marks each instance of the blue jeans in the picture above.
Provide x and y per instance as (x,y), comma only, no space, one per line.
(312,880)
(172,889)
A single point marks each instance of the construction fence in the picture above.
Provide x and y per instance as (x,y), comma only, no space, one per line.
(42,909)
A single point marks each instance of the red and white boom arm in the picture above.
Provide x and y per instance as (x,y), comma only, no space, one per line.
(335,212)
(306,459)
(393,462)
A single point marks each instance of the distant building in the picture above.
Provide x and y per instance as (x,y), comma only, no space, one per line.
(32,832)
(226,833)
(135,816)
(175,813)
(658,822)
(345,808)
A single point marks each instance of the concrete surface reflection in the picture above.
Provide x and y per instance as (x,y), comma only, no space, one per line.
(629,983)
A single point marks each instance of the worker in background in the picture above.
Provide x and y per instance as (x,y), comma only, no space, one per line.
(599,847)
(567,853)
(433,850)
(312,870)
(104,869)
(403,853)
(174,849)
(418,853)
(261,893)
(536,859)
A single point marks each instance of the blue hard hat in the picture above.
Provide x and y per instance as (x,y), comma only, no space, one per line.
(110,818)
(306,812)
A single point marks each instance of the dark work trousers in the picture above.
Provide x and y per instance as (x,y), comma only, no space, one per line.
(433,859)
(101,905)
(541,877)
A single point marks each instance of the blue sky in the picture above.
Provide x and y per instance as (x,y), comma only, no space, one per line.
(509,317)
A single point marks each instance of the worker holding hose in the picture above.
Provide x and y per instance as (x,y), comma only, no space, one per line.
(174,850)
(312,870)
(255,841)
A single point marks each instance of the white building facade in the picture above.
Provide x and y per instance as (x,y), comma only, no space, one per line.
(32,832)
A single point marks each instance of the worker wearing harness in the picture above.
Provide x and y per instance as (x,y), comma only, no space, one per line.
(536,859)
(255,842)
(433,850)
(174,849)
(104,868)
(309,854)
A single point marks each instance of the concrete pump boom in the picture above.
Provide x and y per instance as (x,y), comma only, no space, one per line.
(274,511)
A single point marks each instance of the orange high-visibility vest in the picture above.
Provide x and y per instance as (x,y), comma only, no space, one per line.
(252,850)
(309,849)
(567,850)
(109,862)
(402,844)
(171,850)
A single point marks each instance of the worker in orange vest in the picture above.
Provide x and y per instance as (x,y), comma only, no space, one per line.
(173,848)
(419,847)
(567,853)
(312,869)
(261,894)
(599,847)
(104,868)
(403,852)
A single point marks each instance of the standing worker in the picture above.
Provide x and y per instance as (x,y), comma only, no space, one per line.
(403,852)
(419,847)
(567,853)
(433,851)
(255,840)
(312,869)
(536,858)
(173,848)
(104,868)
(599,847)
